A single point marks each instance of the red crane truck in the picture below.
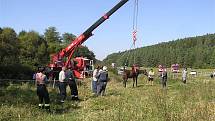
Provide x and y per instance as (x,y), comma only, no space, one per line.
(57,60)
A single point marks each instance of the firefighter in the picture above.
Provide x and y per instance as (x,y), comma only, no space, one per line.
(72,84)
(42,91)
(62,84)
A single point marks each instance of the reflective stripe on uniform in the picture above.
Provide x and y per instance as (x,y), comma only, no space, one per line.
(47,104)
(40,105)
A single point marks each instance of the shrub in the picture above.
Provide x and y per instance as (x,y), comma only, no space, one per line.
(15,71)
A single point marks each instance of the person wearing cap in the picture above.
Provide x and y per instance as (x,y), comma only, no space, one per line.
(102,81)
(62,84)
(42,91)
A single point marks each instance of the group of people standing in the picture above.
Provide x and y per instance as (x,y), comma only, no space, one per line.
(66,77)
(163,76)
(99,82)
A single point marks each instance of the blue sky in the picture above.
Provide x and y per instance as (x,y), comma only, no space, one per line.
(158,20)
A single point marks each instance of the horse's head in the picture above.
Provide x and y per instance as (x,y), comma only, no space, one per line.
(126,74)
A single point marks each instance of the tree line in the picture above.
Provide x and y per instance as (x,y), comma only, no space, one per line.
(192,52)
(20,52)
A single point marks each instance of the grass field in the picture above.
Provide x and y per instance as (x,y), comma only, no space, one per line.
(194,101)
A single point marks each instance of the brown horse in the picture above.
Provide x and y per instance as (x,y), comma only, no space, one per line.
(132,74)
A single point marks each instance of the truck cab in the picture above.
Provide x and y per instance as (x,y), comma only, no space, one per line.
(85,67)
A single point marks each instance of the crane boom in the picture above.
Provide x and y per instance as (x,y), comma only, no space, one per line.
(57,59)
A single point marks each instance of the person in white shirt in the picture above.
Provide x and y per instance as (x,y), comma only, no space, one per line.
(184,75)
(151,76)
(62,84)
(95,80)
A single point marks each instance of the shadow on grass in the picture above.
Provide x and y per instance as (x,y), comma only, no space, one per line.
(113,93)
(17,95)
(142,85)
(62,108)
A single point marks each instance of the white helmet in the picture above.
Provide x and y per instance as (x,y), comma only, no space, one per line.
(104,68)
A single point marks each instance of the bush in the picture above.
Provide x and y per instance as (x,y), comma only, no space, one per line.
(113,70)
(15,71)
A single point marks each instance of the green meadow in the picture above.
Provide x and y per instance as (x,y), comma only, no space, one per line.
(194,101)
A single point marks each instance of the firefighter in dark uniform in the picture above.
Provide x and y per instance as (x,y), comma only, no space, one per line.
(72,84)
(42,91)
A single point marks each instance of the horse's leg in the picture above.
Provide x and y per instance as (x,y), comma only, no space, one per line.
(133,81)
(136,81)
(124,82)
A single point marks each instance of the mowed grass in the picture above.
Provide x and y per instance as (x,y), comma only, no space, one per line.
(194,101)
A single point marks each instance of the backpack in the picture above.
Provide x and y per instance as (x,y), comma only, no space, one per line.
(103,76)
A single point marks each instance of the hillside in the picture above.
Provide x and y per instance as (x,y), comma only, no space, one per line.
(194,52)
